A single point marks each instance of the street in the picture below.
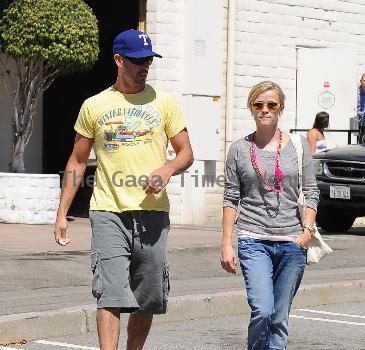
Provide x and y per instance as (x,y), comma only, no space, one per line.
(38,275)
(331,327)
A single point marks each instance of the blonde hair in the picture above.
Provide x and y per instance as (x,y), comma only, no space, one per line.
(262,87)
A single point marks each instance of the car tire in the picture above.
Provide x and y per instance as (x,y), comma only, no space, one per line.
(333,220)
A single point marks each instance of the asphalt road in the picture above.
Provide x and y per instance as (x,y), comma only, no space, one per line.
(330,327)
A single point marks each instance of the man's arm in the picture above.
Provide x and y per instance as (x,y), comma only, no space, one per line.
(184,154)
(74,172)
(158,180)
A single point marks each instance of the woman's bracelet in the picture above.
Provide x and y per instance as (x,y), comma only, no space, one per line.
(310,228)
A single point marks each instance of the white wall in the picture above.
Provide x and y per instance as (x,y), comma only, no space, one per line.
(267,34)
(165,26)
(214,195)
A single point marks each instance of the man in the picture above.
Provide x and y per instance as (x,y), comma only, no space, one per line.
(129,125)
(361,109)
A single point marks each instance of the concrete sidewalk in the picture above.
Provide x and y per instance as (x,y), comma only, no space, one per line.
(45,288)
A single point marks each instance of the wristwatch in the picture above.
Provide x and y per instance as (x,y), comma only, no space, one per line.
(310,228)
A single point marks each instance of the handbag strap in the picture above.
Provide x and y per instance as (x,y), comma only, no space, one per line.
(297,142)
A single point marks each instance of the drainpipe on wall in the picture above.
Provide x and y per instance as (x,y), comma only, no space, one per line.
(230,75)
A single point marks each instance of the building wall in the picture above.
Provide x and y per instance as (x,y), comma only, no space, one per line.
(267,33)
(164,24)
(213,195)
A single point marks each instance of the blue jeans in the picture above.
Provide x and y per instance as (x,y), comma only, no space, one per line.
(272,272)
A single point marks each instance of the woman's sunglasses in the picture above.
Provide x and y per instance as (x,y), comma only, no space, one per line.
(139,61)
(271,106)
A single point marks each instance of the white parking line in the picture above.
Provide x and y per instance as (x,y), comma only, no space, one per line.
(65,345)
(7,348)
(328,320)
(330,313)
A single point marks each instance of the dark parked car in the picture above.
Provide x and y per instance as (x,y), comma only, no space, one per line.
(341,179)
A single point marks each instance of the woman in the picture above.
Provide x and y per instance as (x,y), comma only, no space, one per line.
(262,184)
(315,136)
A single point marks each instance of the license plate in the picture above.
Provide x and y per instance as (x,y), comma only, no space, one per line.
(342,192)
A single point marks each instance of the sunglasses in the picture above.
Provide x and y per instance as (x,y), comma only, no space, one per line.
(271,106)
(139,61)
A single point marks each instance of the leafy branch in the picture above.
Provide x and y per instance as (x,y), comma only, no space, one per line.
(41,39)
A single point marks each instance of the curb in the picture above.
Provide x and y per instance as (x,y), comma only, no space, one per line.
(81,319)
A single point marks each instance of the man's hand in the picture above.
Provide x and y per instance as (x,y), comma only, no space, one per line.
(60,231)
(74,172)
(228,259)
(158,180)
(303,239)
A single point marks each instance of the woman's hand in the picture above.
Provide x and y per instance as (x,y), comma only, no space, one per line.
(228,259)
(303,239)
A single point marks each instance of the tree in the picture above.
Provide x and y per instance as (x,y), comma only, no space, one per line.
(41,39)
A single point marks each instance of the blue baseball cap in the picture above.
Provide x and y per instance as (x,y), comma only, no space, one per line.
(133,43)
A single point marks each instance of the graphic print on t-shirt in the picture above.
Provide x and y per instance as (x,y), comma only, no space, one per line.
(128,126)
(119,132)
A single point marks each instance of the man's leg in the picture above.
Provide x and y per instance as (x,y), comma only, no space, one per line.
(108,323)
(138,327)
(110,260)
(149,277)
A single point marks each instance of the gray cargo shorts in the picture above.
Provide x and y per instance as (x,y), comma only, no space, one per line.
(129,260)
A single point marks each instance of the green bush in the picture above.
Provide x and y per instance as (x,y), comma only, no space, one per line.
(44,38)
(62,32)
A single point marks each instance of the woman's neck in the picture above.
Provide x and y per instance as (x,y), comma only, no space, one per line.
(264,137)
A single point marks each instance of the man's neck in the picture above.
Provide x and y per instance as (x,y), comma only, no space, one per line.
(126,88)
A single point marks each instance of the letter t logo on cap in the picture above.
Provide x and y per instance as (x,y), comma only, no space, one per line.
(144,36)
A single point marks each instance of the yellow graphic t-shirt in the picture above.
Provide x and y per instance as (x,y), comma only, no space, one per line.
(130,133)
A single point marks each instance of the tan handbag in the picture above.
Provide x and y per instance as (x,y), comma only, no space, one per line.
(317,246)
